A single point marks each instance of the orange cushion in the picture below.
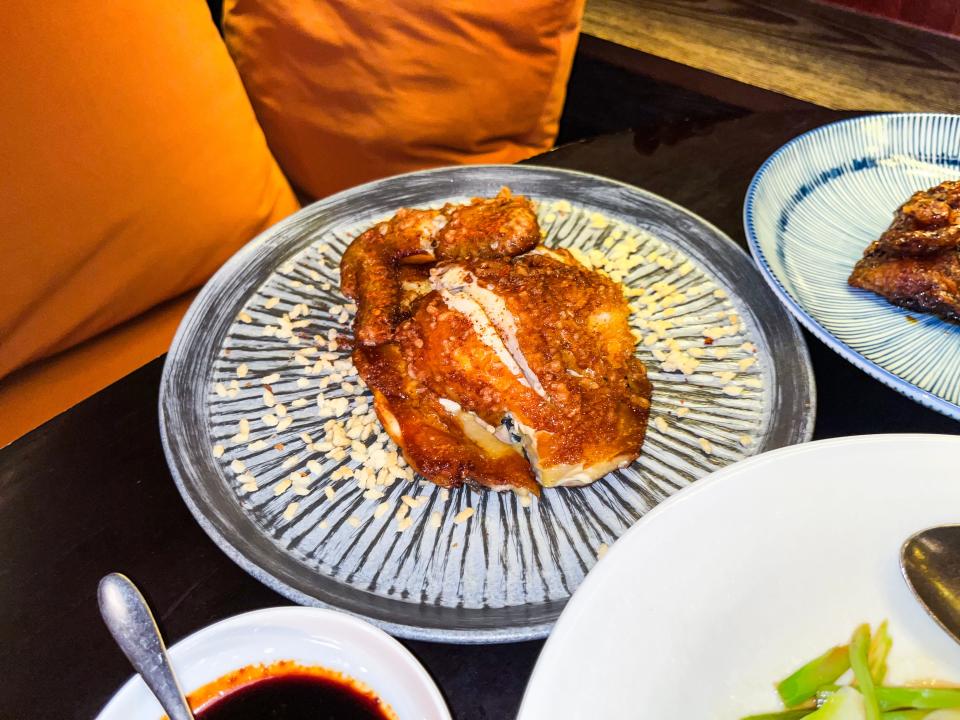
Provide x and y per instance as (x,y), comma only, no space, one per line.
(133,160)
(351,90)
(36,393)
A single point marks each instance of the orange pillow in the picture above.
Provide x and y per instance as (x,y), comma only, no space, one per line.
(351,90)
(133,165)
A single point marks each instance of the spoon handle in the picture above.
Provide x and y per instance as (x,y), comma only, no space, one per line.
(132,625)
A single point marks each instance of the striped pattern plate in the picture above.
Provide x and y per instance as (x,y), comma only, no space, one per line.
(811,211)
(256,380)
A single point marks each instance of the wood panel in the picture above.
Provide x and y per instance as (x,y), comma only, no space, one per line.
(806,50)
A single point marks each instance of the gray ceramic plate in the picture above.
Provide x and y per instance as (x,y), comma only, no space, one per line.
(255,375)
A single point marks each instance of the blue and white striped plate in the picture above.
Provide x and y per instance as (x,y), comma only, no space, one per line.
(812,209)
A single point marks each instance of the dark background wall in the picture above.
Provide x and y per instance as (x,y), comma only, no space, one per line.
(941,15)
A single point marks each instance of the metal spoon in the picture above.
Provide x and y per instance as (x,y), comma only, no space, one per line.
(930,561)
(132,625)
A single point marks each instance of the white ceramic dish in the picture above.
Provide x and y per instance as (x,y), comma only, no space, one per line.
(310,636)
(732,584)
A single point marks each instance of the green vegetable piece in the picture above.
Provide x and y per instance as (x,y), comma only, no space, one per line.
(785,715)
(905,715)
(895,698)
(845,704)
(859,644)
(944,715)
(880,645)
(805,682)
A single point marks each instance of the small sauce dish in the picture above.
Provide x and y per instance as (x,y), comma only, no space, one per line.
(306,641)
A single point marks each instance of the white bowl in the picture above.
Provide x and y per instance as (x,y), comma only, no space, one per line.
(732,584)
(309,636)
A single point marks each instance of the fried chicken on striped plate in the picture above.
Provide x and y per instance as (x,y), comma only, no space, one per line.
(916,262)
(493,359)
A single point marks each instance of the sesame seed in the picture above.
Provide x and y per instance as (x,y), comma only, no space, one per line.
(353,521)
(256,445)
(291,510)
(746,363)
(682,411)
(271,302)
(732,390)
(238,466)
(745,440)
(601,550)
(706,445)
(463,515)
(381,509)
(290,462)
(372,494)
(221,389)
(323,525)
(218,451)
(269,419)
(284,423)
(281,487)
(244,317)
(329,492)
(303,383)
(269,399)
(434,519)
(444,495)
(661,424)
(242,370)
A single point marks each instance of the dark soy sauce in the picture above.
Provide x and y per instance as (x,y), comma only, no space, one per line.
(294,697)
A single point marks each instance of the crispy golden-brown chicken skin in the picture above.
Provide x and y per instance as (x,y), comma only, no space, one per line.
(504,364)
(916,262)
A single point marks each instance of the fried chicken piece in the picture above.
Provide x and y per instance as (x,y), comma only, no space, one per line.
(539,349)
(440,445)
(497,227)
(916,262)
(509,366)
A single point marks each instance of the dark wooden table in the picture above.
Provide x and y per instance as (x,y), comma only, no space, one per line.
(89,492)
